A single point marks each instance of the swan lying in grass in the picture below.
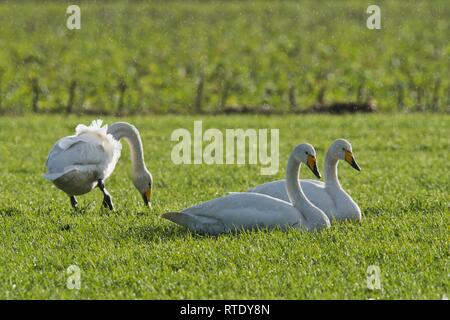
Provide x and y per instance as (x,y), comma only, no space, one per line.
(328,196)
(77,164)
(247,211)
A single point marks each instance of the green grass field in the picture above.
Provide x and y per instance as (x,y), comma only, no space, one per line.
(132,253)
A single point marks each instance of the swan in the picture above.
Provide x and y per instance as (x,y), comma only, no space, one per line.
(247,211)
(329,196)
(79,163)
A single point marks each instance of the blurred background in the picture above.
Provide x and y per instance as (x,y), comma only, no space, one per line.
(135,57)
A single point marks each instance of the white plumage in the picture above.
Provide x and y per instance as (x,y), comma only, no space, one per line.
(312,189)
(247,211)
(329,196)
(235,212)
(77,164)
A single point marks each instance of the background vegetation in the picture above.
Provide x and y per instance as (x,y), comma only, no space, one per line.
(207,56)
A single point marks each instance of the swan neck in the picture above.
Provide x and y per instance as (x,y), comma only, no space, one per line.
(131,135)
(294,190)
(331,171)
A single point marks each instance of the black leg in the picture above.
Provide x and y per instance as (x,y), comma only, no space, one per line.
(107,201)
(73,202)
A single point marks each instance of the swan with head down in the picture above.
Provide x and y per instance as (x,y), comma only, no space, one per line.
(79,163)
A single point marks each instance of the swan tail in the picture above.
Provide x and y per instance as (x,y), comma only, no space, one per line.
(177,217)
(202,225)
(52,176)
(95,126)
(112,146)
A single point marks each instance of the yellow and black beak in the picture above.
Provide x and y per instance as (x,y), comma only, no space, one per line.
(349,158)
(312,164)
(146,196)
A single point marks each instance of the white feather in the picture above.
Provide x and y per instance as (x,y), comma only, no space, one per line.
(247,211)
(91,153)
(329,196)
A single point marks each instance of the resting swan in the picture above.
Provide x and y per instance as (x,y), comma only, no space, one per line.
(247,211)
(328,196)
(79,163)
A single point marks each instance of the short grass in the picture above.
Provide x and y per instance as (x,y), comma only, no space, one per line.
(132,253)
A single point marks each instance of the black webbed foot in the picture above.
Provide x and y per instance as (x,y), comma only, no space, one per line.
(107,201)
(73,202)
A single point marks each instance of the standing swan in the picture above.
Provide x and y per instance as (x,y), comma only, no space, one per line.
(246,211)
(77,164)
(328,196)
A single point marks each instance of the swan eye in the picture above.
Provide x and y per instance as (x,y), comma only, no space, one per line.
(306,152)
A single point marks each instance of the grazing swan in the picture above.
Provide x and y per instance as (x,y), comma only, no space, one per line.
(328,196)
(247,211)
(77,164)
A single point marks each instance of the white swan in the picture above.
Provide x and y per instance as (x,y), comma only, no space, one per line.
(77,164)
(246,211)
(328,196)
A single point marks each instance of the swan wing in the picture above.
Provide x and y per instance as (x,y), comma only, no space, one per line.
(90,148)
(238,211)
(79,156)
(314,190)
(314,182)
(276,189)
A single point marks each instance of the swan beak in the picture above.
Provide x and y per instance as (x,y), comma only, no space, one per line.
(349,158)
(313,166)
(146,196)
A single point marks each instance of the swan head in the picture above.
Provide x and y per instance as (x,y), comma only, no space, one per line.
(342,149)
(143,181)
(307,154)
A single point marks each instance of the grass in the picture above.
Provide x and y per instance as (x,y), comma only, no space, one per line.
(132,253)
(186,56)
